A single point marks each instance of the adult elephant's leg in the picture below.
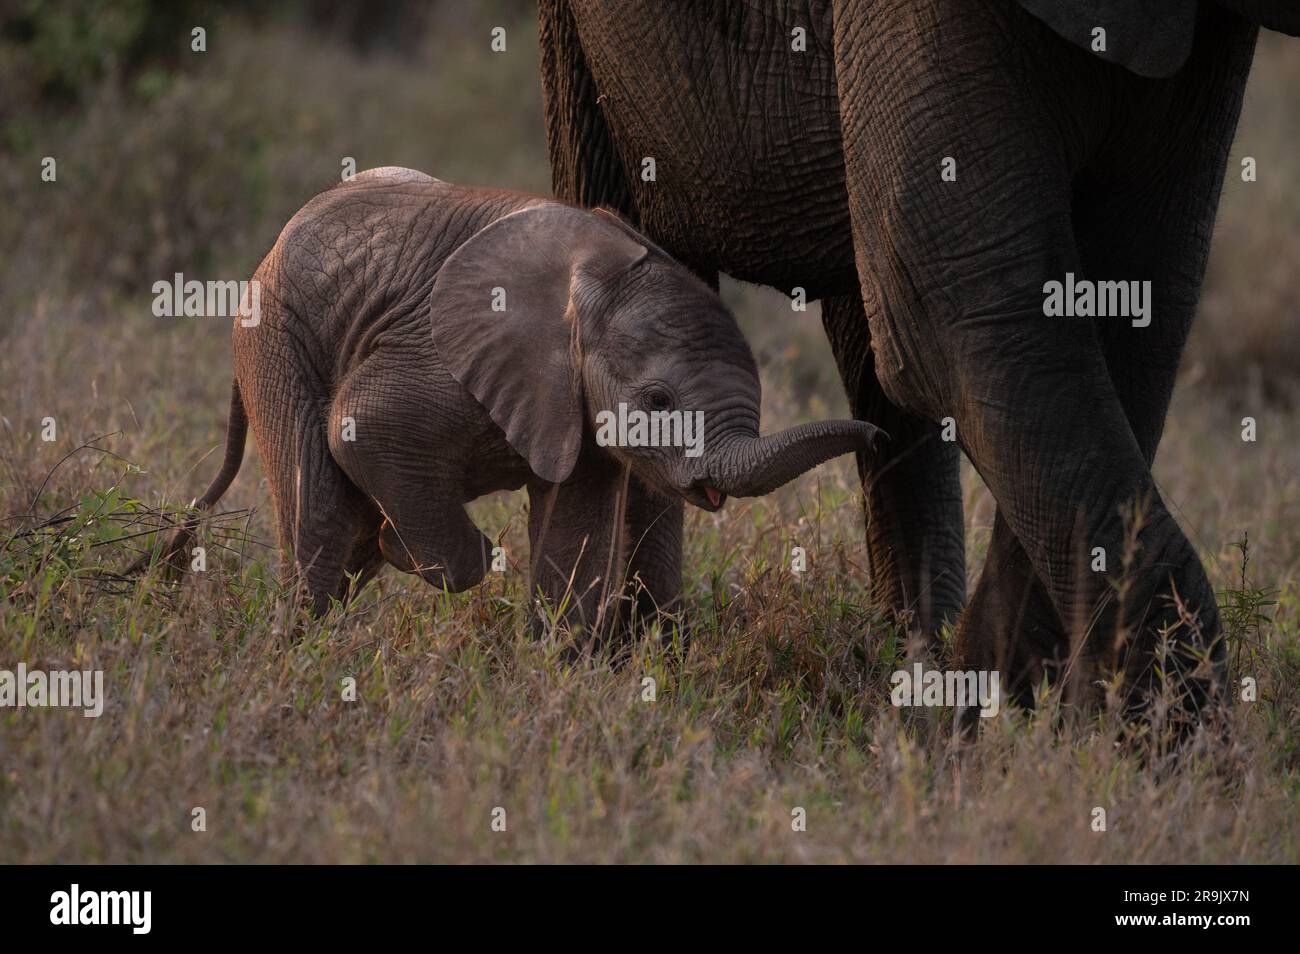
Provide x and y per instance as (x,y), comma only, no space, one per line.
(1143,209)
(953,274)
(911,488)
(585,164)
(1011,625)
(585,167)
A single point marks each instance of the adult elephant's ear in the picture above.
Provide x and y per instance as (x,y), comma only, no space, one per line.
(1149,37)
(509,314)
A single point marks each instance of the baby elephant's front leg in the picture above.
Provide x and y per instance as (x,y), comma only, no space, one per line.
(442,548)
(654,556)
(577,543)
(389,449)
(425,533)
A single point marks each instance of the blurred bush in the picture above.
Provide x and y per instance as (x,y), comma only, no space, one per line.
(170,160)
(1248,332)
(56,53)
(195,166)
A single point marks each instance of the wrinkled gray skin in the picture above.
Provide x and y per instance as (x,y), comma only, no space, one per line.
(377,305)
(821,169)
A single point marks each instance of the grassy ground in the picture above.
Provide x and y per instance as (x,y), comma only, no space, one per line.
(781,702)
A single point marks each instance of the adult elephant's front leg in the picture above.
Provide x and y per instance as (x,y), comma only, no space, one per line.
(911,487)
(1045,427)
(1158,233)
(953,272)
(1010,625)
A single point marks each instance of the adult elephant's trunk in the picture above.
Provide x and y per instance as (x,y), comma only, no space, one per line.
(753,466)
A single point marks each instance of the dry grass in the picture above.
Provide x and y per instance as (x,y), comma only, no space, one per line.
(781,701)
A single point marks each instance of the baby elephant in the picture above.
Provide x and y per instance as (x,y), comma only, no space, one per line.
(418,344)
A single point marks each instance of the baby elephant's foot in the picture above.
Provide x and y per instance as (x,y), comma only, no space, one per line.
(454,568)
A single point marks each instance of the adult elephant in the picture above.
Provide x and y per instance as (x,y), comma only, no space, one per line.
(925,168)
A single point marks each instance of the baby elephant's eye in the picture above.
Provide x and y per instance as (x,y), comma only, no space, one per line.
(658,399)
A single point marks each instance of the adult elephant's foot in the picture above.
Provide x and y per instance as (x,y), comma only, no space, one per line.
(1167,639)
(1135,642)
(1010,626)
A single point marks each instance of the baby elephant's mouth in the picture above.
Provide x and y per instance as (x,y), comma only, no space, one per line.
(706,496)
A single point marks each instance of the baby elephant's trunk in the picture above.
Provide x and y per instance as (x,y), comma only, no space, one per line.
(753,466)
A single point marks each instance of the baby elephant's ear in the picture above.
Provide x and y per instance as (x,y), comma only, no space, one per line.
(508,323)
(609,215)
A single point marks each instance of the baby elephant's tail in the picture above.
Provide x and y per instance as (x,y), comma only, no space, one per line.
(236,432)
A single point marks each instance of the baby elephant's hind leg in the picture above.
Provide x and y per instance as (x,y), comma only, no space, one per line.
(320,514)
(365,559)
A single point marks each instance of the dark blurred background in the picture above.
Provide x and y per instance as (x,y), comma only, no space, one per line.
(171,160)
